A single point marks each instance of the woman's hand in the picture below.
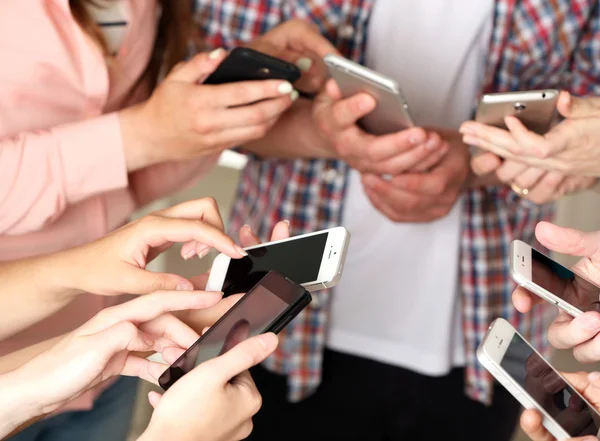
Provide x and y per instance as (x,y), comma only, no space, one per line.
(571,148)
(104,347)
(185,119)
(215,401)
(112,265)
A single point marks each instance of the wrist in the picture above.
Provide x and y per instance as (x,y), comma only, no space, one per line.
(137,138)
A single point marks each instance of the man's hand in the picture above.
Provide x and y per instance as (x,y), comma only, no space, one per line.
(421,197)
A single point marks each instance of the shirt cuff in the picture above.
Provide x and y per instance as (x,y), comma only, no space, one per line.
(92,156)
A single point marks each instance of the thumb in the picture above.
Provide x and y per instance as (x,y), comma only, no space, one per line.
(570,106)
(568,240)
(141,281)
(242,357)
(198,68)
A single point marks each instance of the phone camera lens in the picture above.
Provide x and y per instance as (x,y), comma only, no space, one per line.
(519,107)
(264,72)
(544,95)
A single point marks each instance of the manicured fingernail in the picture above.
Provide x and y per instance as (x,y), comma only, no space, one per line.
(287,222)
(294,95)
(215,54)
(184,285)
(304,63)
(285,88)
(240,250)
(149,341)
(189,255)
(203,253)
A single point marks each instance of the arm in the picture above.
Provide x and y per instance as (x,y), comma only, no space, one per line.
(41,173)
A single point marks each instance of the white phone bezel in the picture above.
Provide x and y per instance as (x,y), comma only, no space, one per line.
(490,354)
(362,72)
(330,271)
(520,269)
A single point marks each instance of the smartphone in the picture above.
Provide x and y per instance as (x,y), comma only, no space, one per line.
(391,114)
(267,307)
(313,260)
(535,383)
(550,280)
(245,64)
(536,109)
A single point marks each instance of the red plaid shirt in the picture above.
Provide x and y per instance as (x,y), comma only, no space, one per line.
(535,44)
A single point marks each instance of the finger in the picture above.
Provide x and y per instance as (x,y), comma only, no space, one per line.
(204,209)
(281,230)
(247,237)
(244,92)
(484,136)
(529,178)
(149,307)
(235,137)
(141,281)
(509,170)
(403,162)
(530,143)
(389,146)
(154,398)
(348,111)
(200,281)
(532,425)
(303,36)
(523,300)
(242,357)
(156,230)
(170,354)
(547,189)
(574,107)
(147,370)
(432,160)
(169,326)
(567,332)
(567,240)
(485,163)
(201,318)
(198,68)
(257,114)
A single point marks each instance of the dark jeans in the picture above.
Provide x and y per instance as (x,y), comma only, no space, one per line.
(361,399)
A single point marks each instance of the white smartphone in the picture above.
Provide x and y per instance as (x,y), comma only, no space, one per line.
(535,383)
(391,114)
(550,280)
(313,260)
(536,109)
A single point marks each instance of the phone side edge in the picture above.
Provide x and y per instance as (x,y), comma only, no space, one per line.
(218,271)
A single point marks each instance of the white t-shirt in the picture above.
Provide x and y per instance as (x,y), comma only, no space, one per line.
(398,299)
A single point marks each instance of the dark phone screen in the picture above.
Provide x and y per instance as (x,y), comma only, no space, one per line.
(549,390)
(299,260)
(562,282)
(251,316)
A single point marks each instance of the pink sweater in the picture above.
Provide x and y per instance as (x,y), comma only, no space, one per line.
(63,178)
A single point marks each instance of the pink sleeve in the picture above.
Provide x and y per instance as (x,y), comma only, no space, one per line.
(42,173)
(164,179)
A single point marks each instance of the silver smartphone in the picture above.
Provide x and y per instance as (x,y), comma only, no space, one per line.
(535,383)
(536,109)
(550,280)
(391,114)
(313,260)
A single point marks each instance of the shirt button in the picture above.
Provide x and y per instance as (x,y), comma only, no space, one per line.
(330,175)
(346,31)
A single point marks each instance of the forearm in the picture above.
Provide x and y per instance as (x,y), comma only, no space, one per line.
(17,359)
(294,136)
(17,404)
(33,289)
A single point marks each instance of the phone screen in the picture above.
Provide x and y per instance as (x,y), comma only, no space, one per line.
(251,316)
(299,260)
(562,282)
(549,390)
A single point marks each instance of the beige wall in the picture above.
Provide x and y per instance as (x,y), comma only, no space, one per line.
(580,211)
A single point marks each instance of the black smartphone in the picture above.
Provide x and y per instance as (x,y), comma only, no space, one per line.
(245,64)
(267,307)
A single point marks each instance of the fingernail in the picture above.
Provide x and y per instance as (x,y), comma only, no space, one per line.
(240,250)
(594,377)
(189,255)
(287,222)
(432,145)
(149,341)
(285,88)
(215,54)
(184,285)
(264,340)
(465,129)
(590,322)
(304,63)
(416,139)
(203,253)
(294,95)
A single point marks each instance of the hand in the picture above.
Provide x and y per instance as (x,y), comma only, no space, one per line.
(336,119)
(184,119)
(203,318)
(566,332)
(120,257)
(531,183)
(215,401)
(586,384)
(298,42)
(102,348)
(572,147)
(421,197)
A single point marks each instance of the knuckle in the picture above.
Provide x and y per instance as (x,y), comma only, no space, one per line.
(159,283)
(210,202)
(254,401)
